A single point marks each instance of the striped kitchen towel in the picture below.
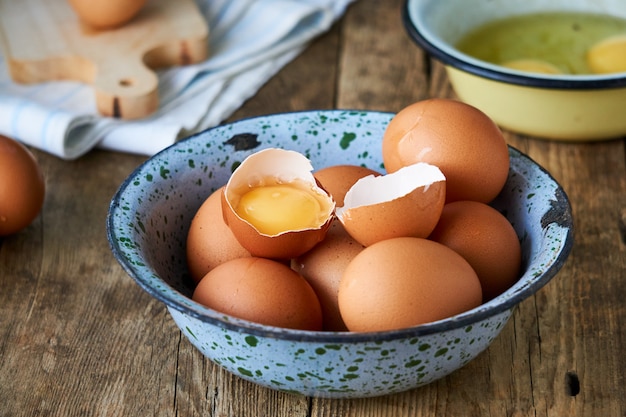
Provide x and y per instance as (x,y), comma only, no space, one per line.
(250,40)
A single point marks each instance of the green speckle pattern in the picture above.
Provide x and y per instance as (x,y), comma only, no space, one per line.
(252,341)
(350,370)
(346,139)
(149,218)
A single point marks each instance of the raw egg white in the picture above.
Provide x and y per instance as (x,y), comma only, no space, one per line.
(22,187)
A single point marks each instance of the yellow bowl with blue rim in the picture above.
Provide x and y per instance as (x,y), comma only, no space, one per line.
(566,107)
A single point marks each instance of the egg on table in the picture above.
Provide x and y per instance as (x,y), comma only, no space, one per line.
(22,186)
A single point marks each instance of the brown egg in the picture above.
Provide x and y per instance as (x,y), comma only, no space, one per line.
(404,282)
(407,202)
(210,242)
(461,140)
(486,239)
(105,14)
(273,205)
(338,179)
(262,291)
(323,267)
(22,186)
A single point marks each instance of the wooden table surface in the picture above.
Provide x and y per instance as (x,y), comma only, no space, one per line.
(79,338)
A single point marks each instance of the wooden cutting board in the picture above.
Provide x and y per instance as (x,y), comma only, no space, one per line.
(43,40)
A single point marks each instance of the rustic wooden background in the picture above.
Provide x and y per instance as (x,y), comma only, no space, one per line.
(79,338)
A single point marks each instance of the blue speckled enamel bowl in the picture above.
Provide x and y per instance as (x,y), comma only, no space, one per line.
(150,214)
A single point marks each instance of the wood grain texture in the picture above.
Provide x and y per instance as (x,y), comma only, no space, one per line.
(79,338)
(46,41)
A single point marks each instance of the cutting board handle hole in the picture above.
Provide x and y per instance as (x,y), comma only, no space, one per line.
(126,82)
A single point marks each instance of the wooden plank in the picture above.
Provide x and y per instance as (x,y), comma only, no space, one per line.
(79,326)
(580,311)
(78,337)
(380,67)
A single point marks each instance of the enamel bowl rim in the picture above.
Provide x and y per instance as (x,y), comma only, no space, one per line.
(449,55)
(494,307)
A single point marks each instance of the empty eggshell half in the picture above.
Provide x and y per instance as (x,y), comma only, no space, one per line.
(274,206)
(405,203)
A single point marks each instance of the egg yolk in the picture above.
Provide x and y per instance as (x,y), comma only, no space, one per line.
(608,56)
(274,209)
(532,65)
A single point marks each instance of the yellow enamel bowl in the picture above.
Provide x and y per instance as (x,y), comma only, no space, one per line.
(558,107)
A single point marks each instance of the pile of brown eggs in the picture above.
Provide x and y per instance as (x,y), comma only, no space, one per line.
(346,248)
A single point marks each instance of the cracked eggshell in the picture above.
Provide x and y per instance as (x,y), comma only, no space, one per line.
(407,202)
(271,166)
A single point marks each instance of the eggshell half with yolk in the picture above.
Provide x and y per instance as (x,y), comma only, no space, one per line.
(266,226)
